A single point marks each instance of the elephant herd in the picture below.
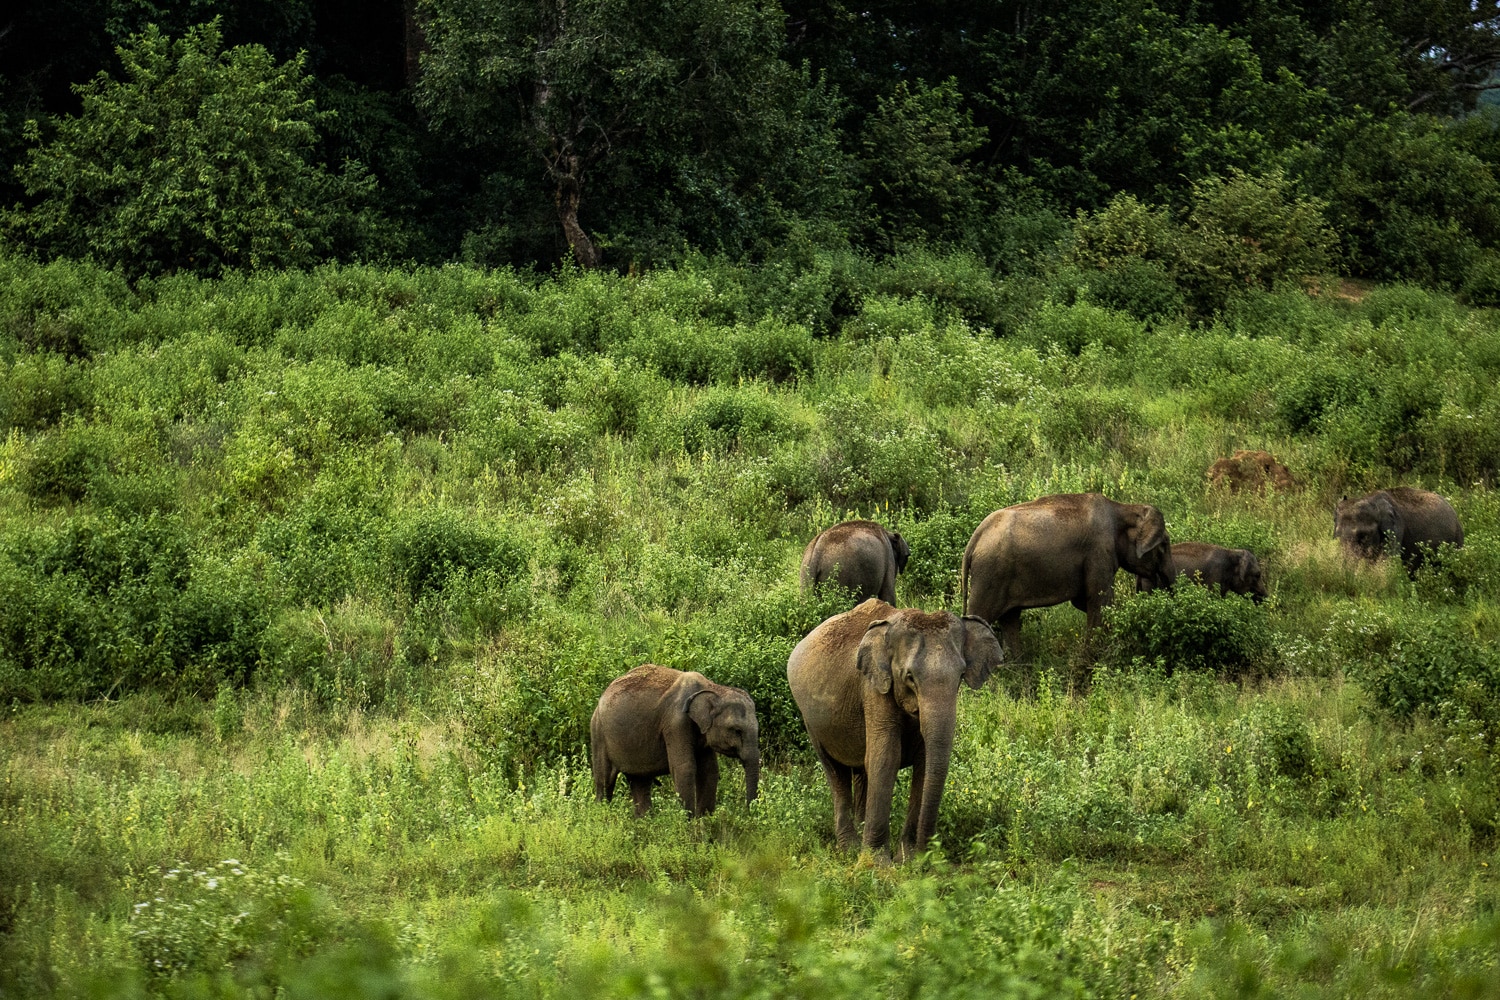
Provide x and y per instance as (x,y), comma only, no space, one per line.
(878,686)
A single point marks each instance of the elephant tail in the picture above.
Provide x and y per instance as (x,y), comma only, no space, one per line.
(963,573)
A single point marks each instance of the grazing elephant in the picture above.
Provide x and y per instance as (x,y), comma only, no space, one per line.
(1400,516)
(860,556)
(1233,571)
(1060,548)
(656,720)
(878,691)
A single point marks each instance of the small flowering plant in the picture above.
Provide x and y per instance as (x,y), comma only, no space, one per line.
(205,919)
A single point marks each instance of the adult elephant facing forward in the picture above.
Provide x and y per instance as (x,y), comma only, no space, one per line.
(1065,547)
(878,691)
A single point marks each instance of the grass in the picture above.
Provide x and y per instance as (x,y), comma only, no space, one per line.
(309,582)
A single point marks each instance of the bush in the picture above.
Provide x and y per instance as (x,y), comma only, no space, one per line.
(722,420)
(1422,661)
(200,160)
(431,547)
(1190,628)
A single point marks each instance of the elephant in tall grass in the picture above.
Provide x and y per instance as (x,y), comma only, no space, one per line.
(656,720)
(878,692)
(1065,547)
(860,556)
(1402,518)
(1233,571)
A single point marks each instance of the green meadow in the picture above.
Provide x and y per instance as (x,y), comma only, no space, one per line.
(309,581)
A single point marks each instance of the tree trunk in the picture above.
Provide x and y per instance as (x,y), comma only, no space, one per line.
(568,193)
(416,41)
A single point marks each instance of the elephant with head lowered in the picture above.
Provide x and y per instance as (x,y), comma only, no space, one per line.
(860,556)
(878,691)
(656,720)
(1233,571)
(1401,518)
(1065,547)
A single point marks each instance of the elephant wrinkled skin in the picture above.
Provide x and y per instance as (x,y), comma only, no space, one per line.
(656,720)
(1406,518)
(1233,571)
(860,556)
(1065,547)
(878,692)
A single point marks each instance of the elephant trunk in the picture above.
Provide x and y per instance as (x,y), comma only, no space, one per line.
(751,760)
(937,737)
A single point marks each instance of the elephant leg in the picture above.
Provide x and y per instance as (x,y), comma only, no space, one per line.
(708,781)
(1010,634)
(640,792)
(882,760)
(604,774)
(838,777)
(858,787)
(913,805)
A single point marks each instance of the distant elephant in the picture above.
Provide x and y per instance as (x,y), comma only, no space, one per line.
(1400,516)
(1059,548)
(1233,571)
(860,556)
(878,691)
(656,720)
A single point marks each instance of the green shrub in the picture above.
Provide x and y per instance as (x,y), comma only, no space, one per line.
(350,655)
(722,420)
(1141,288)
(772,350)
(200,159)
(1081,419)
(1421,661)
(1190,628)
(41,389)
(432,546)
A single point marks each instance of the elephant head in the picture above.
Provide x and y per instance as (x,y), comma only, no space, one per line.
(1366,525)
(918,660)
(901,550)
(1142,546)
(726,718)
(1247,576)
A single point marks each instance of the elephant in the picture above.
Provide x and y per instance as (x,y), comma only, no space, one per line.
(1407,518)
(656,720)
(860,556)
(1064,547)
(878,692)
(1233,571)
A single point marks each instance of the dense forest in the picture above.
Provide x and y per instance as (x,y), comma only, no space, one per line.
(379,381)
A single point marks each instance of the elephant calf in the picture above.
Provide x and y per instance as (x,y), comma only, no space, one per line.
(860,556)
(1233,571)
(656,720)
(1401,516)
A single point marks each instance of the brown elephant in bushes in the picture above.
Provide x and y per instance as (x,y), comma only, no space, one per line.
(1059,548)
(1233,571)
(656,720)
(860,556)
(1402,518)
(878,691)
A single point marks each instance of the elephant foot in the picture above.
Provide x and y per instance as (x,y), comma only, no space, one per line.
(874,857)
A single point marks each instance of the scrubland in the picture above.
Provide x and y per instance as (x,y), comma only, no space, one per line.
(309,581)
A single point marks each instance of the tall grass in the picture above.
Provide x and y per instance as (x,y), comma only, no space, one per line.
(309,581)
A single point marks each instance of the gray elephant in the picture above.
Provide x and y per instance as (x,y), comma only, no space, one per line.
(860,556)
(1059,548)
(878,691)
(1233,571)
(1405,518)
(656,720)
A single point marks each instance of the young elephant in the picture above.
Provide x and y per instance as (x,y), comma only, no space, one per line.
(655,721)
(860,556)
(1407,518)
(1060,548)
(878,691)
(1233,571)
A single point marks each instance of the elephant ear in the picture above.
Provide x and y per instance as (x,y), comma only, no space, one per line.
(874,657)
(982,652)
(901,550)
(701,708)
(1245,567)
(1150,531)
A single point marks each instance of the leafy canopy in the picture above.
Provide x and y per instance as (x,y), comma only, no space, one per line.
(199,159)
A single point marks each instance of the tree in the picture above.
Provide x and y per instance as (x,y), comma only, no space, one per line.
(646,115)
(199,159)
